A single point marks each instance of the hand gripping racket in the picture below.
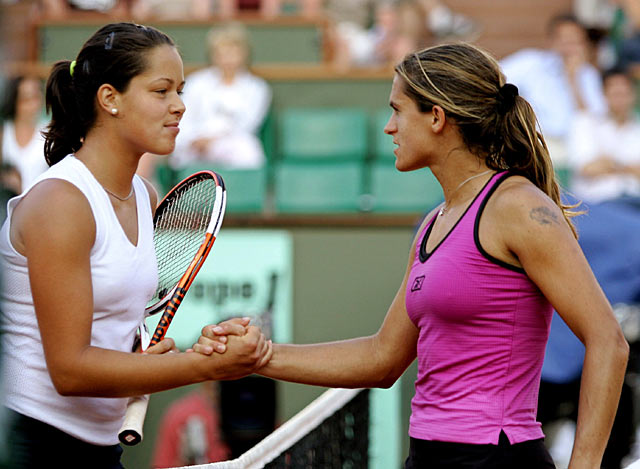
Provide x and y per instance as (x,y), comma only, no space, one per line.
(186,224)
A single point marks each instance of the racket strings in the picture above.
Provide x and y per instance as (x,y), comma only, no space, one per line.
(180,229)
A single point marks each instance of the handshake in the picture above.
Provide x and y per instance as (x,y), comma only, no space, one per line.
(239,348)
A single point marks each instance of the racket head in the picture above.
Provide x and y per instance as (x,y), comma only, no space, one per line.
(189,215)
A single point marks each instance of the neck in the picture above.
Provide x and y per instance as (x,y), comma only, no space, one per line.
(459,183)
(113,167)
(620,117)
(228,76)
(25,121)
(455,168)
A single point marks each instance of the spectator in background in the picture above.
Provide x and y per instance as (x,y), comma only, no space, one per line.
(226,106)
(604,157)
(627,34)
(22,141)
(382,32)
(444,23)
(604,152)
(189,432)
(143,10)
(268,8)
(398,28)
(558,81)
(63,8)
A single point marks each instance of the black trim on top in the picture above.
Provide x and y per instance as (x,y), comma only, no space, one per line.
(476,228)
(424,255)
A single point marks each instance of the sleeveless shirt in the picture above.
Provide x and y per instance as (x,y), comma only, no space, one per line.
(124,278)
(483,326)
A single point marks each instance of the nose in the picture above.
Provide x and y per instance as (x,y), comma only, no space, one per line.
(178,106)
(390,126)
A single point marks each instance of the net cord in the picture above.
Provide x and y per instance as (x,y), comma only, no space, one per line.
(287,435)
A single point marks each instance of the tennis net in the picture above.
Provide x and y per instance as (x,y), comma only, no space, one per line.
(330,433)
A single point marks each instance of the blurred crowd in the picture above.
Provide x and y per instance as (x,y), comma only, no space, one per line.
(360,32)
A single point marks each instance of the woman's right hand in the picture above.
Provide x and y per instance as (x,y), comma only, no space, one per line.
(218,334)
(245,353)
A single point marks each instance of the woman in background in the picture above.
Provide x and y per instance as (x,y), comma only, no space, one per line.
(22,141)
(227,106)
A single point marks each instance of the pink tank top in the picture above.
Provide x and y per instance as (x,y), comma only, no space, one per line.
(483,329)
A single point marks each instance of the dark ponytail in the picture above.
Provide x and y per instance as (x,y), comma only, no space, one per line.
(495,123)
(114,54)
(65,131)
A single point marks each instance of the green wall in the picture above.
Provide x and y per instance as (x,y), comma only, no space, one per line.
(270,42)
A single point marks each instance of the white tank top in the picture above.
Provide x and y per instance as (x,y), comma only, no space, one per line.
(124,278)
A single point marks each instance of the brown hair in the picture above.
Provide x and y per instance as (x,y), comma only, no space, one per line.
(495,123)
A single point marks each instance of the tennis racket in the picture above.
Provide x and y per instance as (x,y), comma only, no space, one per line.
(186,224)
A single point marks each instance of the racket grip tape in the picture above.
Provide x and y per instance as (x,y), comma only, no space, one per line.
(168,315)
(130,433)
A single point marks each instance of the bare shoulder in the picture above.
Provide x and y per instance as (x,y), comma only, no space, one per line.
(522,216)
(518,200)
(53,210)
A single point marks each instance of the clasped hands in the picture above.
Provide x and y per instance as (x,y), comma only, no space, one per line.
(241,349)
(236,337)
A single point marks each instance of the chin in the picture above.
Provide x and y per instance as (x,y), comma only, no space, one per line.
(163,149)
(404,167)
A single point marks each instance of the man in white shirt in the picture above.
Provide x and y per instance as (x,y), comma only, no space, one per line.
(605,151)
(558,81)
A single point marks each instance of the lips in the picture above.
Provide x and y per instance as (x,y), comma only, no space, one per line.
(174,127)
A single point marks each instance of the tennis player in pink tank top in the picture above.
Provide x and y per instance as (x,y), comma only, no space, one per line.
(484,273)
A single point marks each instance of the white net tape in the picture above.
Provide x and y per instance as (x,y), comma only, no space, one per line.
(289,433)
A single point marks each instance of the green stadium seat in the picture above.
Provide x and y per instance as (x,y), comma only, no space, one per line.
(563,176)
(395,191)
(311,187)
(323,133)
(383,143)
(165,178)
(246,188)
(267,135)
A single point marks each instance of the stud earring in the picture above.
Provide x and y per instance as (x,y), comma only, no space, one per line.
(114,111)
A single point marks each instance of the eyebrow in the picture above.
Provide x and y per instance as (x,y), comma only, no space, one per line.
(170,80)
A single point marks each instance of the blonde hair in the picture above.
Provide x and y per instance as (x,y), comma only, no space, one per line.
(232,33)
(499,127)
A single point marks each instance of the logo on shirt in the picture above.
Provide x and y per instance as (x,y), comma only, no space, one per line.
(417,283)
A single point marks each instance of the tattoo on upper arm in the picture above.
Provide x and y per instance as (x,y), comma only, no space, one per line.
(543,215)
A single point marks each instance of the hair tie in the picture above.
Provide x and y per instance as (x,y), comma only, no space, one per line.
(506,97)
(72,68)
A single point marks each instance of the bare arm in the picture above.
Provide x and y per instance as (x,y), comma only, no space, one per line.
(53,227)
(535,232)
(373,361)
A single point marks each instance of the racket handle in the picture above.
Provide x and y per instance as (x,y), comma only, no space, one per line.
(130,433)
(167,316)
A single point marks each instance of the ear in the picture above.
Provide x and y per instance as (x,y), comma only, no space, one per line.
(108,98)
(438,119)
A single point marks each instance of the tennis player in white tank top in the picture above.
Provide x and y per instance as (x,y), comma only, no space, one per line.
(77,252)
